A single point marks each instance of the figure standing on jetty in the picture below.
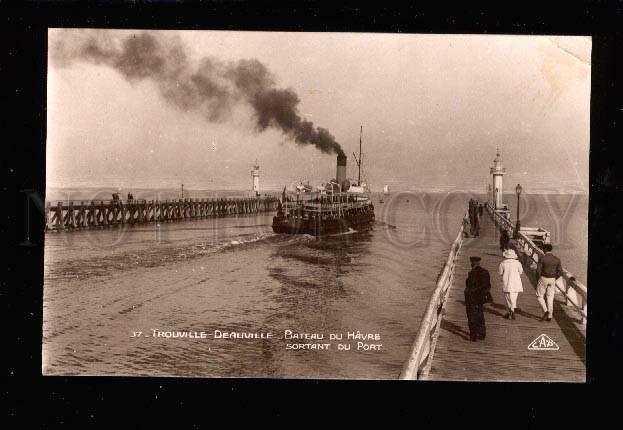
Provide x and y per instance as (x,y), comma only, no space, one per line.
(548,271)
(474,222)
(477,286)
(510,270)
(504,239)
(466,226)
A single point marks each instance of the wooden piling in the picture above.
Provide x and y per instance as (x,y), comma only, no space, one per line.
(92,214)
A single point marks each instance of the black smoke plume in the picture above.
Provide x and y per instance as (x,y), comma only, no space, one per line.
(213,87)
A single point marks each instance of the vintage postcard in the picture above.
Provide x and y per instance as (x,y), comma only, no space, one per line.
(316,205)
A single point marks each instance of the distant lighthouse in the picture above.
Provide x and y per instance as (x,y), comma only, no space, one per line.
(255,174)
(498,172)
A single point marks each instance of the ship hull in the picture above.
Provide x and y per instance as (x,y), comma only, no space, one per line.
(315,227)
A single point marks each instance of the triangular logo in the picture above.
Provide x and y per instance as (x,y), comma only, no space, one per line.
(543,342)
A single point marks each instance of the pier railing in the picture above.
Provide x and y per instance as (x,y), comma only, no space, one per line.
(69,215)
(421,356)
(573,290)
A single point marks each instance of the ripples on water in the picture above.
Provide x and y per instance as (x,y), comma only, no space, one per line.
(235,274)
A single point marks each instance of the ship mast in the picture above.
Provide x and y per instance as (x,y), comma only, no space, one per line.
(359,164)
(358,160)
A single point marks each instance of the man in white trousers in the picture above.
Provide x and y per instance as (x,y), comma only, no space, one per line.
(548,271)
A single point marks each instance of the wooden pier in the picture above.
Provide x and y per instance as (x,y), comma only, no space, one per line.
(443,350)
(70,215)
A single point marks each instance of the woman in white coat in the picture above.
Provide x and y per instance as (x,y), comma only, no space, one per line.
(510,270)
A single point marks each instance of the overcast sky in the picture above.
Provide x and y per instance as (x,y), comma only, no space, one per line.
(434,108)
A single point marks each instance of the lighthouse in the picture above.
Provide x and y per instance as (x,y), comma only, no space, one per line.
(255,174)
(498,172)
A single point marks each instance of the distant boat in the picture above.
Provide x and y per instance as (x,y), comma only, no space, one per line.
(385,192)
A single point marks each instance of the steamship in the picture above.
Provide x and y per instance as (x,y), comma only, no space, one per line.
(337,207)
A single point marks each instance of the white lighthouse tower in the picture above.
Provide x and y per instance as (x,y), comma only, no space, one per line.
(255,174)
(498,172)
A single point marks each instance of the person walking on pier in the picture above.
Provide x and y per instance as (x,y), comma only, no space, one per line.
(548,271)
(510,270)
(473,218)
(476,224)
(465,226)
(504,239)
(477,287)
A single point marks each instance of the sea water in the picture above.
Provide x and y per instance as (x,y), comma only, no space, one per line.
(226,297)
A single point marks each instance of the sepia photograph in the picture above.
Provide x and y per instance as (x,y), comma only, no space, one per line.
(316,205)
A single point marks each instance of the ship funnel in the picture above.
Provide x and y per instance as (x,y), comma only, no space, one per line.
(340,175)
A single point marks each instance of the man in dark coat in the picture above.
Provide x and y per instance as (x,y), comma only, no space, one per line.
(477,287)
(476,225)
(504,239)
(473,218)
